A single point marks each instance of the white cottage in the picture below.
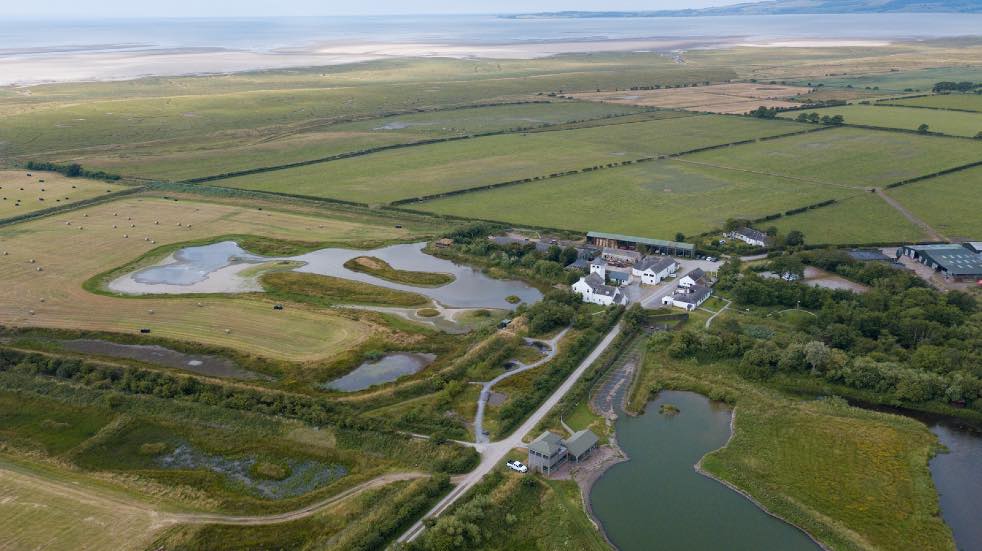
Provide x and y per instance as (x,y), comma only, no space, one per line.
(593,290)
(695,277)
(688,298)
(653,269)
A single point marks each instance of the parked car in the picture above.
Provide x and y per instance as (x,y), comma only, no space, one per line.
(517,466)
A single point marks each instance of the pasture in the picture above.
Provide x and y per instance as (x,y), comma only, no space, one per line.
(439,168)
(734,98)
(964,102)
(198,158)
(951,203)
(655,199)
(848,157)
(955,123)
(917,80)
(862,218)
(21,194)
(72,247)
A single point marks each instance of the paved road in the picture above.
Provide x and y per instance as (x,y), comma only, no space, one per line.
(482,401)
(492,454)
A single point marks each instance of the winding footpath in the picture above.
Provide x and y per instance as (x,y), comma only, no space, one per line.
(482,401)
(493,453)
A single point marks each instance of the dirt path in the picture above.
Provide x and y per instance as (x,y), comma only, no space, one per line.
(925,227)
(771,174)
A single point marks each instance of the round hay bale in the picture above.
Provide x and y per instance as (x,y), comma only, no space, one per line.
(31,312)
(114,226)
(33,261)
(39,269)
(150,311)
(227,331)
(126,236)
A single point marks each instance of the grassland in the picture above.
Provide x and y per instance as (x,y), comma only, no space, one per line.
(294,334)
(848,156)
(954,123)
(379,268)
(21,194)
(655,199)
(951,203)
(431,169)
(738,98)
(196,158)
(963,102)
(918,80)
(852,478)
(862,218)
(325,291)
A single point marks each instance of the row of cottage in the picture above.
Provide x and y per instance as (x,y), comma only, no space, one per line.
(692,289)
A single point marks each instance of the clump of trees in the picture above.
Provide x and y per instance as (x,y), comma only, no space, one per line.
(73,170)
(964,86)
(815,118)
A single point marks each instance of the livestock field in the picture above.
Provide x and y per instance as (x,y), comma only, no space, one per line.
(951,204)
(921,80)
(21,194)
(734,98)
(860,218)
(848,157)
(955,123)
(46,261)
(198,158)
(657,198)
(962,102)
(439,168)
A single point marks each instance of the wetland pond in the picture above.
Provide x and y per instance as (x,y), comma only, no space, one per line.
(225,268)
(384,370)
(657,500)
(211,366)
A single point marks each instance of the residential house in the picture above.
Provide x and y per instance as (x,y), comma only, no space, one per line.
(594,290)
(694,277)
(750,236)
(688,298)
(653,269)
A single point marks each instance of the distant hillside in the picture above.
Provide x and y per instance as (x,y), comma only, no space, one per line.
(780,7)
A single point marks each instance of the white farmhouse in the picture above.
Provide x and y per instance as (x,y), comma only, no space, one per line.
(653,269)
(688,298)
(593,290)
(750,236)
(695,277)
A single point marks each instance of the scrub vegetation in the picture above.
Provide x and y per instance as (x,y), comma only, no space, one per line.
(379,268)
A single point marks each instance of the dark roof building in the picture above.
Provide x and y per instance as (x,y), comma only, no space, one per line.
(954,261)
(655,263)
(868,255)
(618,241)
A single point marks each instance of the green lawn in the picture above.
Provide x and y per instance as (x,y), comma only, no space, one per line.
(952,204)
(967,102)
(955,123)
(654,199)
(862,218)
(848,156)
(424,170)
(854,479)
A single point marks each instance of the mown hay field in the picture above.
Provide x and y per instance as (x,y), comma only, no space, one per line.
(849,157)
(951,204)
(967,102)
(418,171)
(955,123)
(68,255)
(207,157)
(862,218)
(654,199)
(21,194)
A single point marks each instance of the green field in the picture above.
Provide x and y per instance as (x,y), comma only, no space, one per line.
(951,204)
(21,194)
(922,80)
(850,157)
(207,157)
(964,102)
(424,170)
(655,199)
(955,123)
(862,218)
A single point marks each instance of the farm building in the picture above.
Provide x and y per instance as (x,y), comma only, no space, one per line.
(959,262)
(630,242)
(975,246)
(581,264)
(594,290)
(653,269)
(621,256)
(750,236)
(694,277)
(688,298)
(599,267)
(618,277)
(868,255)
(549,450)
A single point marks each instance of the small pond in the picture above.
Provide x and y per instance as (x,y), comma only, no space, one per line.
(658,501)
(212,366)
(224,268)
(384,370)
(305,475)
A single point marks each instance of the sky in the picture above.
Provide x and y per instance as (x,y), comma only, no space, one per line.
(252,8)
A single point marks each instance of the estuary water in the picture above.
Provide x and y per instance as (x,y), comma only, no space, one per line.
(657,501)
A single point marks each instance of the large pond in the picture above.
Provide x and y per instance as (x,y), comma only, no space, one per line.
(384,370)
(958,477)
(658,501)
(212,366)
(226,268)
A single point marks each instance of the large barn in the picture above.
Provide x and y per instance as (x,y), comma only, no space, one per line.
(631,243)
(959,262)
